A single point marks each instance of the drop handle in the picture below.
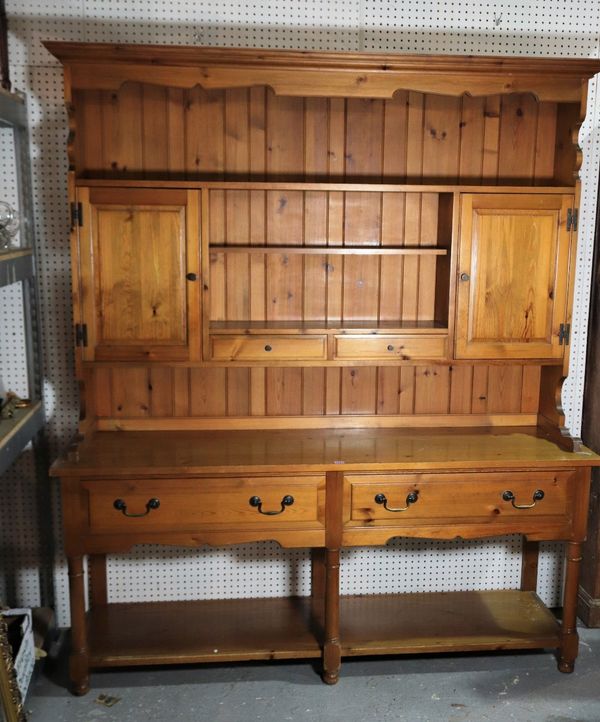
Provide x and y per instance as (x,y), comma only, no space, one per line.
(538,495)
(465,277)
(411,498)
(120,505)
(256,502)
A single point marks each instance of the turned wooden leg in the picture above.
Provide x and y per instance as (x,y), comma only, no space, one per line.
(79,659)
(569,642)
(529,567)
(332,648)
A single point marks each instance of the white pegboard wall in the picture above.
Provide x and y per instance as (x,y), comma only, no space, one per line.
(478,28)
(552,28)
(247,570)
(152,573)
(589,139)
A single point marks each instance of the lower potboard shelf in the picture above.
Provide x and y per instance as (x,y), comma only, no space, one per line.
(253,629)
(446,622)
(205,631)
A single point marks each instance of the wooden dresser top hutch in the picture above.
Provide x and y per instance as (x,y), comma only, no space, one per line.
(321,298)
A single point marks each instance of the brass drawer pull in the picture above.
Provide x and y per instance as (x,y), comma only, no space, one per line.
(121,506)
(538,495)
(256,501)
(412,498)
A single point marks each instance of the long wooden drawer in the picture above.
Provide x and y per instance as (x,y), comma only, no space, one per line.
(515,501)
(392,347)
(268,348)
(168,505)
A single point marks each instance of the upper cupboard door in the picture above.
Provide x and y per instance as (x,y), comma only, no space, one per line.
(139,274)
(512,275)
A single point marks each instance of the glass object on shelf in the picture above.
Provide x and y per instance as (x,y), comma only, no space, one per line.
(9,226)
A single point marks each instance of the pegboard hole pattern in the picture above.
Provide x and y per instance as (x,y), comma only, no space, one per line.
(152,573)
(19,540)
(248,570)
(13,363)
(507,27)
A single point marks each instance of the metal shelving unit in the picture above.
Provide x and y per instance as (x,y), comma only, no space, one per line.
(17,265)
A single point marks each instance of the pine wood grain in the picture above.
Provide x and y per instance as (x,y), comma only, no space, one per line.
(187,453)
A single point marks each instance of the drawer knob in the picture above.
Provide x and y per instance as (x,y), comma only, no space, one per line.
(538,495)
(268,348)
(121,506)
(465,277)
(390,347)
(256,502)
(412,498)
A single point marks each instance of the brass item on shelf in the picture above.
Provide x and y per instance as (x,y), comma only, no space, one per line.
(12,705)
(11,404)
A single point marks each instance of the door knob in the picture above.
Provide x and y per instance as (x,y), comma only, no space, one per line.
(465,277)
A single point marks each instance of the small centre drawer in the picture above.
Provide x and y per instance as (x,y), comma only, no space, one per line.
(390,347)
(171,504)
(268,348)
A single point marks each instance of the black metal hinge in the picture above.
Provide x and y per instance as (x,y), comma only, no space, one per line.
(76,215)
(564,334)
(572,217)
(81,334)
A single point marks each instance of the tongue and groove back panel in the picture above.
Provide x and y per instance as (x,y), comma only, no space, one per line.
(253,134)
(147,132)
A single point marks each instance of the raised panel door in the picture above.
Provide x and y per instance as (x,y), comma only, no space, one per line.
(512,275)
(139,274)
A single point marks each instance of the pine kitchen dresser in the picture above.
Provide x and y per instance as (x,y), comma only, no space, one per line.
(322,299)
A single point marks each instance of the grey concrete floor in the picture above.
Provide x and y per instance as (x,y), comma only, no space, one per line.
(451,688)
